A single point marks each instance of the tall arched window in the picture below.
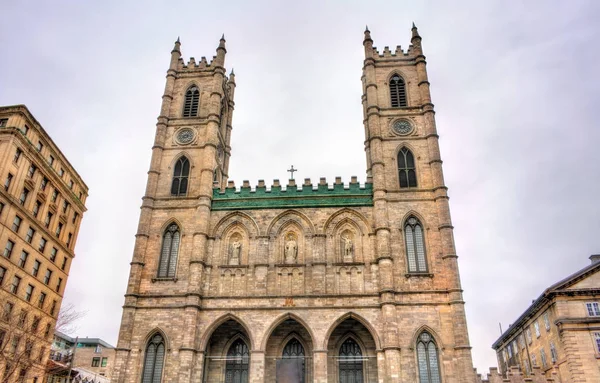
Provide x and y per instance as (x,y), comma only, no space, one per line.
(190,106)
(169,252)
(397,91)
(350,362)
(427,356)
(180,177)
(238,359)
(294,350)
(154,360)
(415,246)
(406,169)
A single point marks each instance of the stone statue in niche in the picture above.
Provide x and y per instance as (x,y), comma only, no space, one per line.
(235,251)
(347,247)
(291,250)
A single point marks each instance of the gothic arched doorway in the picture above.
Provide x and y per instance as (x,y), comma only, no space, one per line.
(236,366)
(350,362)
(288,351)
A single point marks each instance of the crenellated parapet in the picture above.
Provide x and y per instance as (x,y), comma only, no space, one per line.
(514,375)
(293,195)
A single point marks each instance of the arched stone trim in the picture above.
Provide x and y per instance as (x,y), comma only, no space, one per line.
(291,216)
(152,332)
(288,338)
(177,157)
(186,88)
(279,320)
(355,338)
(169,222)
(404,77)
(346,214)
(358,318)
(232,340)
(240,232)
(413,213)
(204,339)
(236,217)
(436,337)
(144,348)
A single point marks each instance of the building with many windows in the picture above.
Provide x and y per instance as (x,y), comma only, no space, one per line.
(307,282)
(42,200)
(560,332)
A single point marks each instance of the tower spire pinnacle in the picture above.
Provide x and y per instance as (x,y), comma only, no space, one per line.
(415,31)
(367,35)
(177,45)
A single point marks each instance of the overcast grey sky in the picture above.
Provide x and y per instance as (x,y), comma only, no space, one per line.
(515,86)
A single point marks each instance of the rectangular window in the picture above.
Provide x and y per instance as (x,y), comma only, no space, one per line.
(39,146)
(28,351)
(533,360)
(543,357)
(3,122)
(104,362)
(96,362)
(14,346)
(2,208)
(22,319)
(42,247)
(36,208)
(54,195)
(58,285)
(593,309)
(17,156)
(547,321)
(43,184)
(36,268)
(48,219)
(64,264)
(61,172)
(65,207)
(2,274)
(14,287)
(69,239)
(597,339)
(25,129)
(16,224)
(8,249)
(41,300)
(53,253)
(71,184)
(29,235)
(98,349)
(7,313)
(536,326)
(553,354)
(75,216)
(31,171)
(29,292)
(51,160)
(23,259)
(47,276)
(23,197)
(514,346)
(9,178)
(509,349)
(35,324)
(53,308)
(59,229)
(47,331)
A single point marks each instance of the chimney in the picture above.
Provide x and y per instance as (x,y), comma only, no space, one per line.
(595,258)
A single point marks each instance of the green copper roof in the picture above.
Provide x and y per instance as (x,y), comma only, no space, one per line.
(292,197)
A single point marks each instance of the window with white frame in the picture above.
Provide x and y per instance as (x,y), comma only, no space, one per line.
(533,360)
(593,309)
(597,340)
(543,357)
(547,321)
(528,335)
(514,346)
(536,326)
(522,342)
(553,354)
(509,351)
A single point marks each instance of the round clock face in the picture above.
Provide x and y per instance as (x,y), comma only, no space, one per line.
(185,136)
(402,127)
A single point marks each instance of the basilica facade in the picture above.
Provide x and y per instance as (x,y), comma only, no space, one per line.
(302,282)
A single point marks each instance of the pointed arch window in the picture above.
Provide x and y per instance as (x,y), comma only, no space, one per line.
(169,251)
(397,91)
(427,356)
(181,173)
(350,362)
(415,246)
(238,359)
(190,105)
(154,360)
(294,350)
(406,169)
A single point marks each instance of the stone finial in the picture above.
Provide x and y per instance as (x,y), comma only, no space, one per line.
(367,39)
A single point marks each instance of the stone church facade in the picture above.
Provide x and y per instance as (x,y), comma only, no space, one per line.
(304,282)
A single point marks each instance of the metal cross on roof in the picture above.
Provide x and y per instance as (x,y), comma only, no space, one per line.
(292,170)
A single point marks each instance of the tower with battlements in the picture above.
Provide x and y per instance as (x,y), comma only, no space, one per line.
(320,281)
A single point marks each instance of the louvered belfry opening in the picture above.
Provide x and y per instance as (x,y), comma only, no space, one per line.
(397,91)
(192,98)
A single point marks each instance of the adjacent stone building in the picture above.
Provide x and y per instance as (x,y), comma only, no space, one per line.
(303,282)
(42,200)
(560,332)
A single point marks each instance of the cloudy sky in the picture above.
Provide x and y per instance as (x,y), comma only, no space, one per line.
(515,86)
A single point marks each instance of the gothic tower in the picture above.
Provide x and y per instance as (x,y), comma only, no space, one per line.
(326,283)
